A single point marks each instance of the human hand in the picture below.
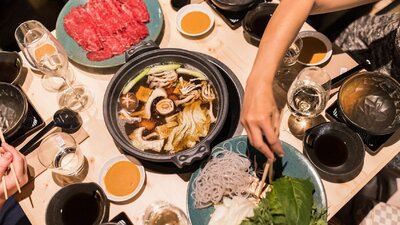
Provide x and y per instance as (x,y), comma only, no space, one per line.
(10,155)
(260,116)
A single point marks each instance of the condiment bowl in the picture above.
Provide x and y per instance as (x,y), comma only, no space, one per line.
(317,48)
(336,151)
(122,177)
(194,20)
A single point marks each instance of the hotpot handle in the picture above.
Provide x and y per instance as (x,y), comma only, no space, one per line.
(142,47)
(181,160)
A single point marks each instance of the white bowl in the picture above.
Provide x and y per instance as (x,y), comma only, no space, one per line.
(319,36)
(108,165)
(194,8)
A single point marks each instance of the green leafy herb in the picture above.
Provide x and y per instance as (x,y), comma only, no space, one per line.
(289,202)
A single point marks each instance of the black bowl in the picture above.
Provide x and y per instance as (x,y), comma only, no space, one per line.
(13,108)
(147,54)
(369,102)
(10,66)
(336,151)
(80,203)
(256,20)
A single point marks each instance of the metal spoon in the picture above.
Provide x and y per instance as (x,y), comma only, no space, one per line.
(68,120)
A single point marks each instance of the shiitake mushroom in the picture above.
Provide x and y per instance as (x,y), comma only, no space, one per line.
(165,106)
(129,101)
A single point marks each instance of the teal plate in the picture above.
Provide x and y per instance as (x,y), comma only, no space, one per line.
(293,164)
(78,54)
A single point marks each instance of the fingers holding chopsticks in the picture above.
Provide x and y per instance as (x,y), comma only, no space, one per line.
(17,176)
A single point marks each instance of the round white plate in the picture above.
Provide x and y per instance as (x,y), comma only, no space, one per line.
(107,166)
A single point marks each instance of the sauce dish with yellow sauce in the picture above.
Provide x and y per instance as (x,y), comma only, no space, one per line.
(194,20)
(317,48)
(122,177)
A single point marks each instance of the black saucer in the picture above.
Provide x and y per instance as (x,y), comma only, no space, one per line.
(336,151)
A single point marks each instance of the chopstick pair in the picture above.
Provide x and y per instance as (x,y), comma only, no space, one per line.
(12,171)
(268,169)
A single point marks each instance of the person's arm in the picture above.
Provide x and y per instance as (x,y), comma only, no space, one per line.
(8,156)
(260,115)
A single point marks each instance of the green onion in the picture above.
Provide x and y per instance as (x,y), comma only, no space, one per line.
(131,83)
(162,68)
(194,73)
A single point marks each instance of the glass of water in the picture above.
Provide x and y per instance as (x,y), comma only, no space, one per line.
(60,153)
(308,95)
(291,56)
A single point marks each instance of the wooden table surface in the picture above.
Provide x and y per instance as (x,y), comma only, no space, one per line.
(223,43)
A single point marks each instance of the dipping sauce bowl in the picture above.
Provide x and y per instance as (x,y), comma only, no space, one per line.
(194,20)
(122,177)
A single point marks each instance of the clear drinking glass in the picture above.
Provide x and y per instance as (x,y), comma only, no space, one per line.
(308,95)
(60,153)
(291,56)
(161,212)
(46,54)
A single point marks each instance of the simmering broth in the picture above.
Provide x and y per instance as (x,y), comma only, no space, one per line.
(167,108)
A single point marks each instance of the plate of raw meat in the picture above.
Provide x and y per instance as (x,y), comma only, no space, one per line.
(96,33)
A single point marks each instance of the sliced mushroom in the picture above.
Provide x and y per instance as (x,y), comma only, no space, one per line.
(192,95)
(139,142)
(125,115)
(158,92)
(165,106)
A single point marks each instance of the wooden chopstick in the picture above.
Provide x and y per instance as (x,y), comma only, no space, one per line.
(3,180)
(263,178)
(3,140)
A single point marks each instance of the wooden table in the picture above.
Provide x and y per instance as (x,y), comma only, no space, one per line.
(223,43)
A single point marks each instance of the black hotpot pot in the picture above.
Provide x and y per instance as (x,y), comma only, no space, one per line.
(13,108)
(139,57)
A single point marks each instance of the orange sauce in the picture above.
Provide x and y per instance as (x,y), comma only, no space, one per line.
(43,50)
(313,51)
(122,178)
(195,22)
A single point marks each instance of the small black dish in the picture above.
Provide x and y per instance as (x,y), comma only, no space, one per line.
(256,20)
(336,151)
(79,203)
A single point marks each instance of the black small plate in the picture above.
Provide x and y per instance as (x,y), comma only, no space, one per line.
(336,151)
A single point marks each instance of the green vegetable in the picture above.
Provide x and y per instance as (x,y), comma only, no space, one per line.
(194,73)
(162,68)
(135,80)
(289,202)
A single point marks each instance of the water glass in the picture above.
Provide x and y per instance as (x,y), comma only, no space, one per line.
(293,52)
(60,153)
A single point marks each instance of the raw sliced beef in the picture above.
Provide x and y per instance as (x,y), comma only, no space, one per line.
(106,28)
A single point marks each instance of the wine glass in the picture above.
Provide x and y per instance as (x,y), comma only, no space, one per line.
(46,54)
(307,98)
